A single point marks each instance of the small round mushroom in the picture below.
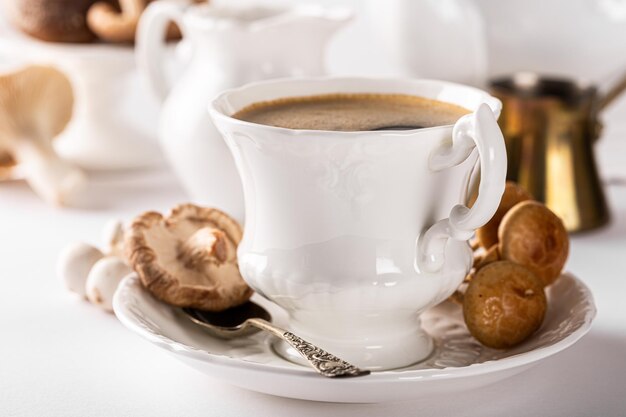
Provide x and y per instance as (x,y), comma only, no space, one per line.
(35,106)
(487,235)
(533,236)
(74,264)
(103,280)
(189,258)
(504,304)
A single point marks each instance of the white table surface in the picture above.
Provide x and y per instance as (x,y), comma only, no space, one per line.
(60,356)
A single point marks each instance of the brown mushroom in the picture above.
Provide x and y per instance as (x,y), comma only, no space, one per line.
(504,304)
(52,20)
(119,24)
(35,106)
(533,236)
(491,255)
(189,258)
(513,194)
(115,25)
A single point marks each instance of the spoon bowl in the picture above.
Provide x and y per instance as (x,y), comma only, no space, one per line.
(249,318)
(231,323)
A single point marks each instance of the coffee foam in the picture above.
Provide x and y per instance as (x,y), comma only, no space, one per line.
(352,112)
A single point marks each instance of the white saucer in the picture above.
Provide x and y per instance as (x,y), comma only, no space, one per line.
(458,363)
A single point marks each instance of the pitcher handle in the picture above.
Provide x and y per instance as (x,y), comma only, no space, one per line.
(151,42)
(477,130)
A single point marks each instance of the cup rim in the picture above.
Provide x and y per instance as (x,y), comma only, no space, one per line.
(217,114)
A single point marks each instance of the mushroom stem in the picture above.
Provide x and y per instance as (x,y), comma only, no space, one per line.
(113,25)
(52,178)
(132,7)
(206,245)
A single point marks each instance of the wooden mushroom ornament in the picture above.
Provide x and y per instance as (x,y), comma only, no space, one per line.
(189,258)
(35,106)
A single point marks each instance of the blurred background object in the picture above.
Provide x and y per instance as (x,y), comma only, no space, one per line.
(230,46)
(35,106)
(113,125)
(486,38)
(582,39)
(550,126)
(440,39)
(574,48)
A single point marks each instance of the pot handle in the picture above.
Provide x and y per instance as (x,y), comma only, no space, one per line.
(477,130)
(151,44)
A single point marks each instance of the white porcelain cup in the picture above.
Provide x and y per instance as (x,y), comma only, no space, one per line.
(356,234)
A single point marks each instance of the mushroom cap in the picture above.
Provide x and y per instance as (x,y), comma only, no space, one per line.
(36,100)
(533,236)
(504,304)
(7,162)
(52,20)
(513,194)
(74,264)
(103,280)
(189,258)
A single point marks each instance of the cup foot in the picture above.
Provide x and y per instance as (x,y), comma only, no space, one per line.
(392,354)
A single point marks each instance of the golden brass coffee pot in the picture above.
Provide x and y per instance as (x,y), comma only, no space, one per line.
(550,126)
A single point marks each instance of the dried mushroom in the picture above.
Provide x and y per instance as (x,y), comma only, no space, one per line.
(513,194)
(533,236)
(36,104)
(189,258)
(115,24)
(52,20)
(504,304)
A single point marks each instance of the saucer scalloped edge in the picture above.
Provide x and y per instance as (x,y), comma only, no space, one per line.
(458,362)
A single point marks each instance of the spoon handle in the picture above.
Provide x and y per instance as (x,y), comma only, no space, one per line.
(323,362)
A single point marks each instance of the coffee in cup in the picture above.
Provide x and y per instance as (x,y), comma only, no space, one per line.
(353,112)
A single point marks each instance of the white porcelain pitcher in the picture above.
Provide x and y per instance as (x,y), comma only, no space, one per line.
(357,233)
(229,47)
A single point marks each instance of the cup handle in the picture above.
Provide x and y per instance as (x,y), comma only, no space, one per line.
(477,130)
(151,35)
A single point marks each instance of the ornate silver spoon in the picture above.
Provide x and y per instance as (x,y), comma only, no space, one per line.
(250,317)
